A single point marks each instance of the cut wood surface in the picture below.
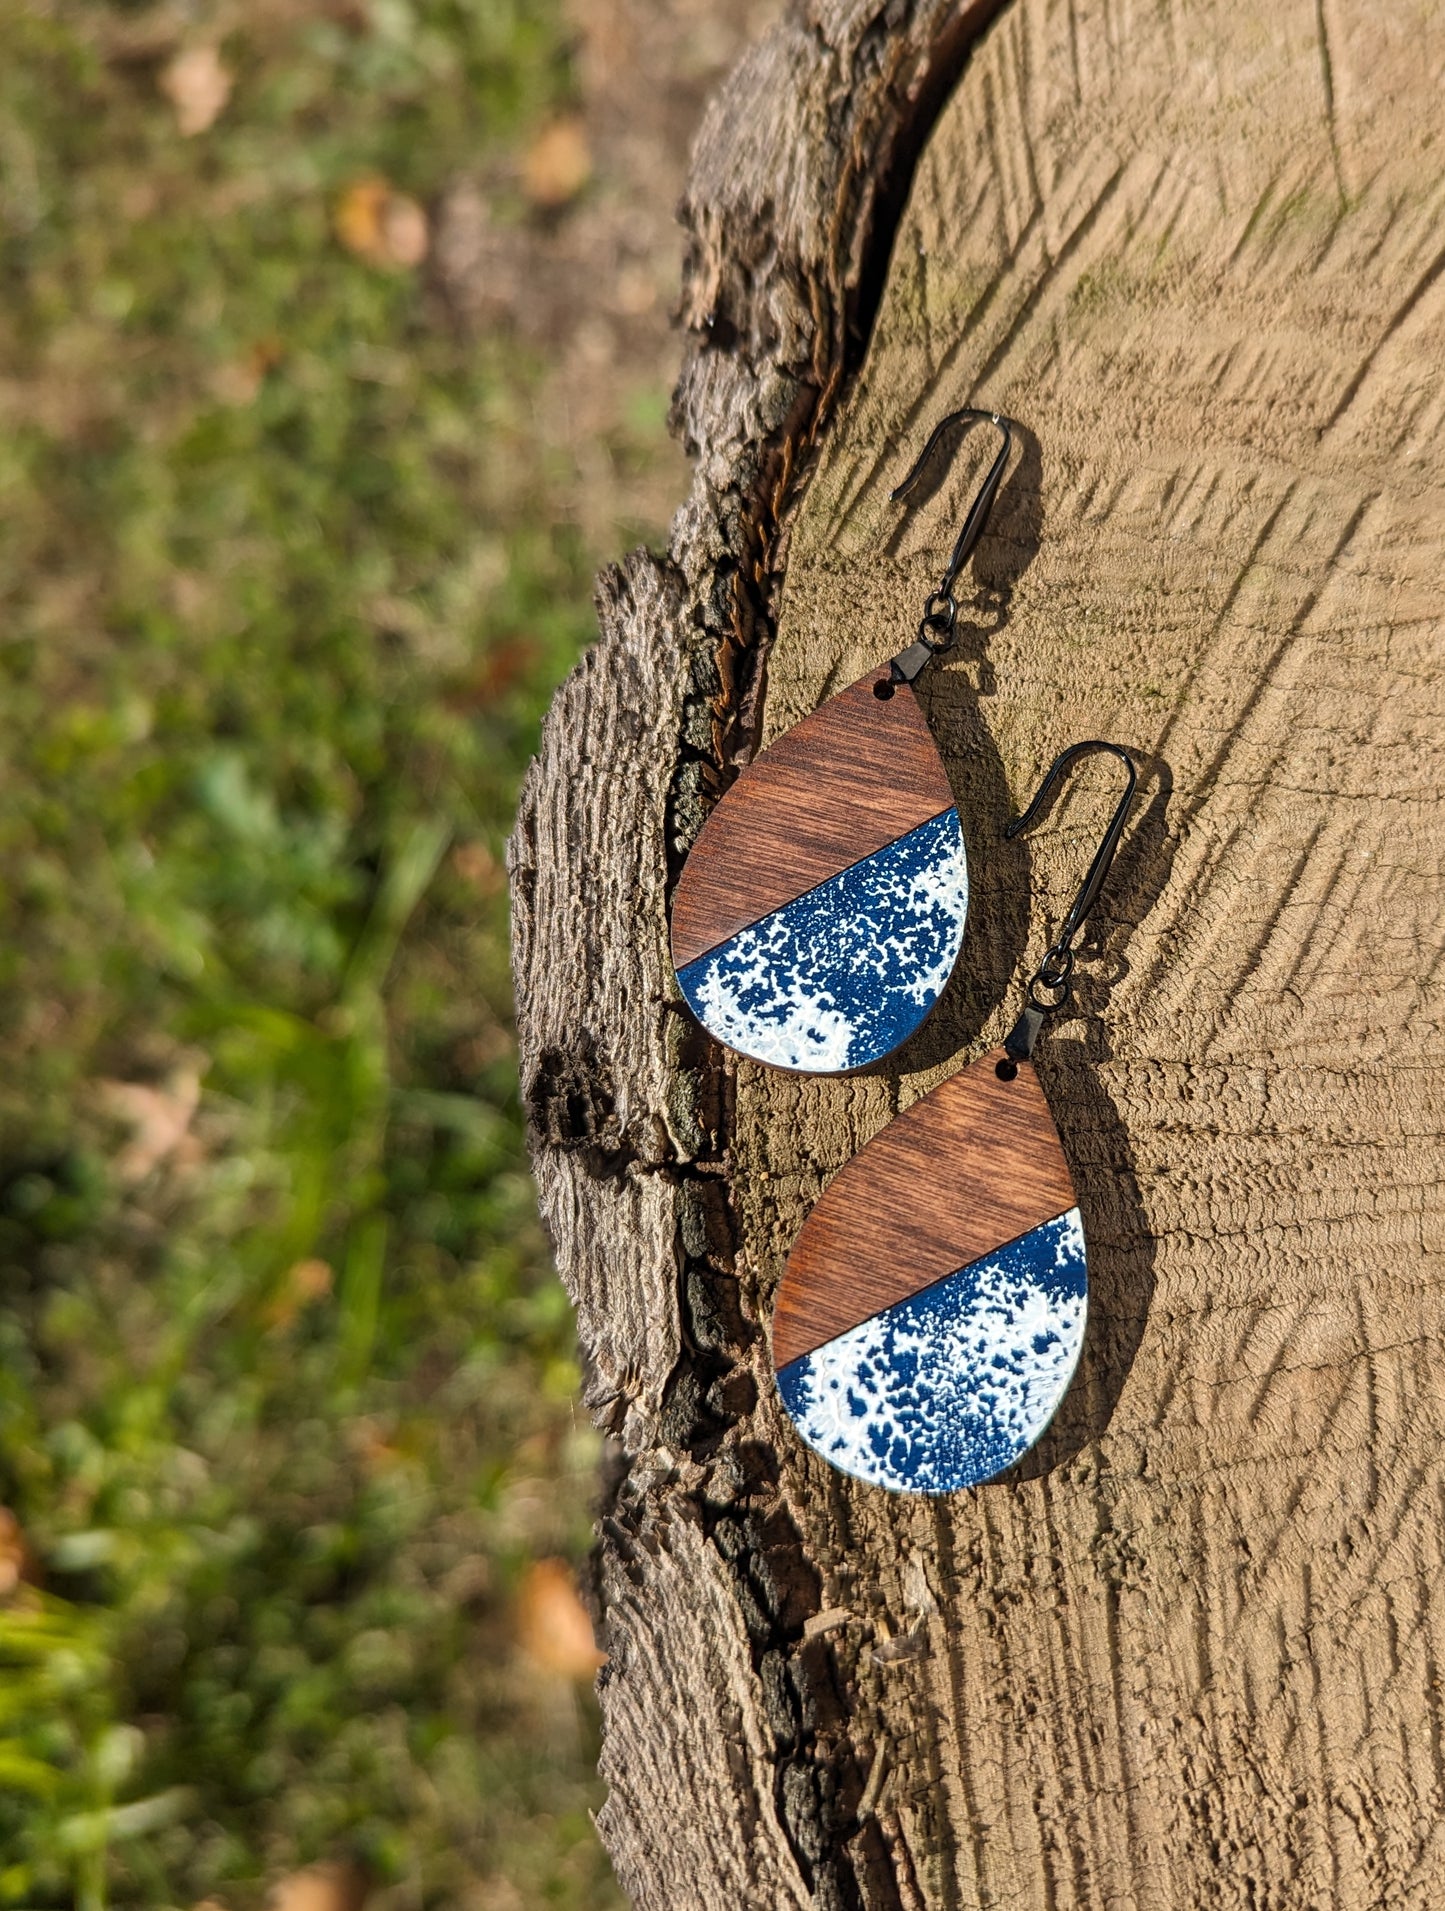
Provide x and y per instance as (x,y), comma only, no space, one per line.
(1189,1654)
(975,1164)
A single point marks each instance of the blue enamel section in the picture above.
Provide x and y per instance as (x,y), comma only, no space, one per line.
(952,1385)
(846,972)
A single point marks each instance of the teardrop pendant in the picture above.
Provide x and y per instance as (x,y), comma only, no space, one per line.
(932,1311)
(821,910)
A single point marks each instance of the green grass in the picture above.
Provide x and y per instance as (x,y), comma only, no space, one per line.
(283,590)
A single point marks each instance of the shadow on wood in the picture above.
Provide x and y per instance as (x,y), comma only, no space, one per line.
(1188,1659)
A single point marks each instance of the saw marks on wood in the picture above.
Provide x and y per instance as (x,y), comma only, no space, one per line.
(1199,252)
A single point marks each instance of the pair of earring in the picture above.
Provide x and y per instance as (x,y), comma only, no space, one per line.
(932,1311)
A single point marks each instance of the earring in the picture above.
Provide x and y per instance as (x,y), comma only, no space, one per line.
(821,910)
(931,1313)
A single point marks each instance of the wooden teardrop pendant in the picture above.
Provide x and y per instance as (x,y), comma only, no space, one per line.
(931,1313)
(821,910)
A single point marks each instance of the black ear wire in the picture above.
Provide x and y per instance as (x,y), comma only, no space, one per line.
(1052,982)
(940,612)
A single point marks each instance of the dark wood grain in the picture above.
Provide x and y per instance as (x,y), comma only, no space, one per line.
(858,773)
(973,1164)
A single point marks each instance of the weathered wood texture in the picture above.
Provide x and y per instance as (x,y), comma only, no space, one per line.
(1189,1656)
(974,1164)
(836,787)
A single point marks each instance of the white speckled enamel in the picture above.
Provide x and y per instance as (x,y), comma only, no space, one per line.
(843,974)
(951,1386)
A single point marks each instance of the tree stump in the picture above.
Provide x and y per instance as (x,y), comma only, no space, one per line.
(1189,1654)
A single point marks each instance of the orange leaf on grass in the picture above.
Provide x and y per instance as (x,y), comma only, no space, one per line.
(159,1118)
(557,165)
(552,1623)
(17,1562)
(239,380)
(340,1887)
(307,1281)
(197,84)
(381,225)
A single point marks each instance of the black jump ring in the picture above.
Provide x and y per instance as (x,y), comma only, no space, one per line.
(1064,989)
(940,614)
(1054,977)
(1056,968)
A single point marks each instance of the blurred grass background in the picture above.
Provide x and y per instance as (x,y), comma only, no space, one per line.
(333,359)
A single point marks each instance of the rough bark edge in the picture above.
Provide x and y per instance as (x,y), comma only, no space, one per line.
(799,170)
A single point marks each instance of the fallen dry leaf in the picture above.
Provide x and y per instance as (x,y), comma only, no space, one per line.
(309,1280)
(557,165)
(552,1623)
(197,84)
(239,380)
(358,216)
(381,225)
(374,1444)
(320,1888)
(17,1562)
(159,1119)
(405,232)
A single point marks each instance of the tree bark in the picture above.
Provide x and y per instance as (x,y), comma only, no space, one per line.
(1189,1653)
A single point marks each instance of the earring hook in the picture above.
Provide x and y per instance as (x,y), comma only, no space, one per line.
(940,611)
(1054,975)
